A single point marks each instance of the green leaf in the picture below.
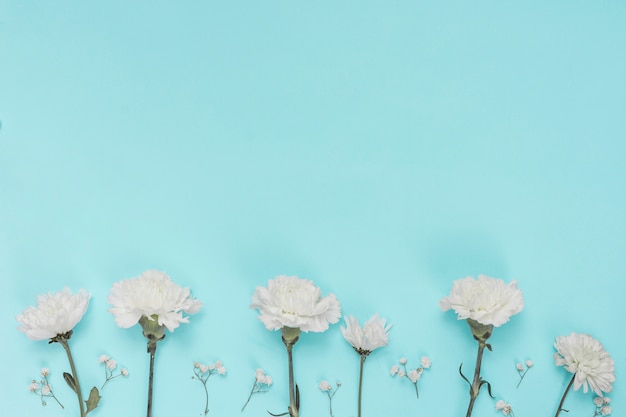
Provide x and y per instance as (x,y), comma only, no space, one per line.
(93,400)
(70,381)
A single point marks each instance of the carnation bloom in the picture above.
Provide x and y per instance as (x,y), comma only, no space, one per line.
(289,301)
(55,314)
(487,300)
(485,303)
(152,295)
(372,335)
(585,357)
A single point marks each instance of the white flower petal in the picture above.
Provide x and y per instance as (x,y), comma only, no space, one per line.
(55,314)
(289,301)
(152,293)
(486,300)
(585,357)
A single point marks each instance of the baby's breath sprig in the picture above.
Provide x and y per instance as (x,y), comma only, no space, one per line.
(326,387)
(521,370)
(261,383)
(602,406)
(202,373)
(412,374)
(110,365)
(505,408)
(43,388)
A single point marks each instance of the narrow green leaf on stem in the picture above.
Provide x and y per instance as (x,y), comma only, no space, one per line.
(70,381)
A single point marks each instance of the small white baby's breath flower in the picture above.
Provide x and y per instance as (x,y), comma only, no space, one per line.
(45,389)
(325,386)
(519,366)
(111,364)
(402,361)
(124,372)
(414,375)
(34,386)
(425,362)
(529,363)
(103,358)
(394,370)
(606,410)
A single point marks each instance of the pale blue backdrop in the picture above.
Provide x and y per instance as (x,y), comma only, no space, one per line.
(382,149)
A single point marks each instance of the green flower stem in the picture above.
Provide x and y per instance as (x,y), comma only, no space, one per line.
(363,357)
(293,409)
(206,396)
(476,384)
(64,342)
(249,396)
(290,337)
(571,382)
(152,345)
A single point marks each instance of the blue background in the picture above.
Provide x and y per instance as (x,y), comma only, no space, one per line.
(382,149)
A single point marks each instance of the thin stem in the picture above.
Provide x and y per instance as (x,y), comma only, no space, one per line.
(206,393)
(293,409)
(152,345)
(57,400)
(79,394)
(363,357)
(476,383)
(249,396)
(571,382)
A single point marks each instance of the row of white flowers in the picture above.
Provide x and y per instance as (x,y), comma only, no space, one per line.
(294,305)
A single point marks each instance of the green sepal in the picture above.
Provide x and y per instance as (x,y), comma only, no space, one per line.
(93,400)
(70,381)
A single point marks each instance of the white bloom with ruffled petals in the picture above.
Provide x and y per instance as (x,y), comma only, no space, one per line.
(373,334)
(487,300)
(289,301)
(585,357)
(152,293)
(55,314)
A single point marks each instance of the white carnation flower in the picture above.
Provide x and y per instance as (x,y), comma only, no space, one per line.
(293,302)
(585,357)
(56,314)
(486,300)
(373,334)
(152,295)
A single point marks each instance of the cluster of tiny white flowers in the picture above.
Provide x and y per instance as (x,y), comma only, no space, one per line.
(261,378)
(602,406)
(326,387)
(521,370)
(413,375)
(505,408)
(262,383)
(110,365)
(202,372)
(43,388)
